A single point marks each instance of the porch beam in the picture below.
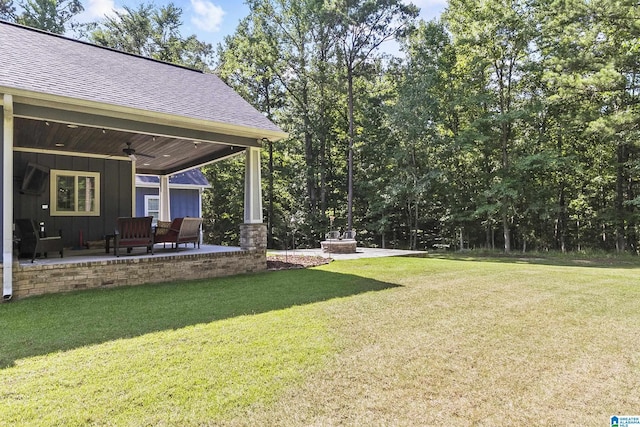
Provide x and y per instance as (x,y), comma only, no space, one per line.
(196,162)
(252,187)
(7,197)
(35,112)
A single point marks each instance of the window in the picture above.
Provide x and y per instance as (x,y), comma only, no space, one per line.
(75,193)
(152,206)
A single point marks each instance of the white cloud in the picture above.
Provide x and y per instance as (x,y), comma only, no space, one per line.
(96,9)
(430,9)
(207,16)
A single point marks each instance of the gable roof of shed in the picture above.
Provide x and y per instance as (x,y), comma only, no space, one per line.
(39,62)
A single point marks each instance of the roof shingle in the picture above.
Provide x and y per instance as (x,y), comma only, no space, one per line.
(40,62)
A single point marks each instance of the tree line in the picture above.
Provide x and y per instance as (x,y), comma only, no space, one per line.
(509,124)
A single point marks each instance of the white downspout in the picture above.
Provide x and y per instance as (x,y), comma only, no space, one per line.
(7,193)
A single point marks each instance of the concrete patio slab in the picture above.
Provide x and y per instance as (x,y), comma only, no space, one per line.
(360,253)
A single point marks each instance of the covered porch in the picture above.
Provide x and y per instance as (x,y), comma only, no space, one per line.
(76,132)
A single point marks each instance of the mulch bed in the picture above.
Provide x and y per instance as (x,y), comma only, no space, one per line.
(282,262)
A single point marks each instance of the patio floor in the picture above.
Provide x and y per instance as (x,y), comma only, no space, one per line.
(360,253)
(89,255)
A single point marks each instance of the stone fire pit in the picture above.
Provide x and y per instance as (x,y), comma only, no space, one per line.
(344,246)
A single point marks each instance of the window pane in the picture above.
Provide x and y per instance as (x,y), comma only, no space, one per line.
(153,205)
(86,193)
(75,193)
(65,186)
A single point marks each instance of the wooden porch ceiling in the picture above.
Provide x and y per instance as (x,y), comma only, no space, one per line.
(155,154)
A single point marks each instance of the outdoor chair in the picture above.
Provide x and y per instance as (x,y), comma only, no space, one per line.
(181,230)
(32,243)
(133,232)
(333,235)
(349,235)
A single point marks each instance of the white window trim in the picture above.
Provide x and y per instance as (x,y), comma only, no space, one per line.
(147,198)
(54,191)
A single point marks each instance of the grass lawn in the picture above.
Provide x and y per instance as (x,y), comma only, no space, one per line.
(384,341)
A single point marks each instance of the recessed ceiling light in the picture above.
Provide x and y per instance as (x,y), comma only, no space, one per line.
(146,164)
(72,126)
(166,155)
(59,144)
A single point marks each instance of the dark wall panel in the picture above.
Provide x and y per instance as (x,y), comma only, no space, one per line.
(115,196)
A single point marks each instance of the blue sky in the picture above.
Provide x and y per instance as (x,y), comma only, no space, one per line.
(211,20)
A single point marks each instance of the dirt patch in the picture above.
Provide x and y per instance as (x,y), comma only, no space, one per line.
(282,262)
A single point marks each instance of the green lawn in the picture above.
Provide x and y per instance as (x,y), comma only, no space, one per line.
(386,341)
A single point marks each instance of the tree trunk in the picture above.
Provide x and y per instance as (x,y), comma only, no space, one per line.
(562,220)
(632,236)
(506,232)
(493,238)
(270,209)
(351,138)
(266,84)
(619,201)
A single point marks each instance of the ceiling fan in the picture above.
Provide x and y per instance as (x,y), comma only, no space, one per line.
(130,151)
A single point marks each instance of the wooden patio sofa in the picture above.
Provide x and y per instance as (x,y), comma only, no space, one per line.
(33,243)
(180,230)
(132,232)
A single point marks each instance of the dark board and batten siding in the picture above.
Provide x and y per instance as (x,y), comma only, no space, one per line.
(115,196)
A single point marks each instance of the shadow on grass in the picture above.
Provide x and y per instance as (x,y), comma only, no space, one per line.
(561,260)
(41,325)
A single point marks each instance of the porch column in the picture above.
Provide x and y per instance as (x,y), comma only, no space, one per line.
(253,233)
(7,196)
(165,201)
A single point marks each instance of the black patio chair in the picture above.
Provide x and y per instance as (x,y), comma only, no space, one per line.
(33,244)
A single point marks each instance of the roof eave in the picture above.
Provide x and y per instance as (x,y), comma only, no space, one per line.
(122,112)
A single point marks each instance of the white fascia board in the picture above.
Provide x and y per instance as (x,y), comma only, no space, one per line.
(120,112)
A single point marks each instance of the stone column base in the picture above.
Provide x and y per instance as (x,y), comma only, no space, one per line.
(253,236)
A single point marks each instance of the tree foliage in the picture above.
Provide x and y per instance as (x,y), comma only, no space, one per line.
(153,32)
(516,116)
(54,16)
(507,124)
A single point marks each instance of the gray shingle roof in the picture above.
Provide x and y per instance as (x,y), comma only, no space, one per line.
(45,63)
